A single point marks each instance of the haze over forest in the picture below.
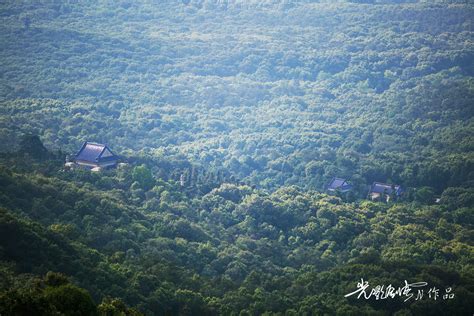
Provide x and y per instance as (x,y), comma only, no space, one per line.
(230,119)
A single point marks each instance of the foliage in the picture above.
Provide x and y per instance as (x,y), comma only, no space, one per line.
(232,250)
(305,91)
(232,117)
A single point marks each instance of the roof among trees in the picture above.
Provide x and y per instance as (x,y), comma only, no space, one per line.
(378,187)
(339,183)
(95,152)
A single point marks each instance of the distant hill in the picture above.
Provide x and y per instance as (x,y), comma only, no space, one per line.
(275,96)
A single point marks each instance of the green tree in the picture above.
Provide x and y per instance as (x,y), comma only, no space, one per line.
(70,300)
(424,195)
(142,174)
(115,307)
(32,145)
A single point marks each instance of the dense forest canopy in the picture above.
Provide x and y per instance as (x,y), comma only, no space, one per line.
(274,92)
(232,117)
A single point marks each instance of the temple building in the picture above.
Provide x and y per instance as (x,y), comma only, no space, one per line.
(95,156)
(339,184)
(383,191)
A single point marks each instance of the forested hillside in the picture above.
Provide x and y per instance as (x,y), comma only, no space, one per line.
(232,250)
(254,106)
(278,94)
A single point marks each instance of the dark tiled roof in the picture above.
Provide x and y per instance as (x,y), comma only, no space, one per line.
(93,152)
(339,183)
(378,187)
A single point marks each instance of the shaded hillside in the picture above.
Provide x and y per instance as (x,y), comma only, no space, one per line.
(235,248)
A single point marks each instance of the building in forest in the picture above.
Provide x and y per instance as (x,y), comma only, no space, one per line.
(95,156)
(383,191)
(339,185)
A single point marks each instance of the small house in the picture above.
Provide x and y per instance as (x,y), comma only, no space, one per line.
(379,191)
(339,184)
(95,156)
